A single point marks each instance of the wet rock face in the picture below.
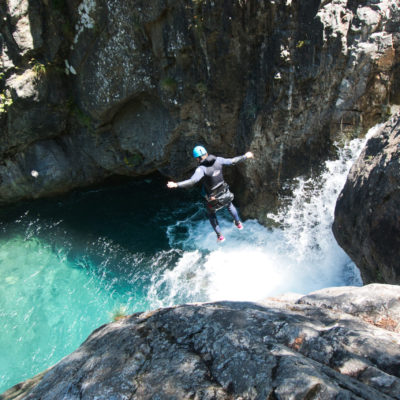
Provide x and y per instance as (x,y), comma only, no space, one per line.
(122,89)
(367,214)
(334,343)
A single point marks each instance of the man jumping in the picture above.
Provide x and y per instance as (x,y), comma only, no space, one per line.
(215,188)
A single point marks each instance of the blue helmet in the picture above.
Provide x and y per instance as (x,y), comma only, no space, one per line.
(199,151)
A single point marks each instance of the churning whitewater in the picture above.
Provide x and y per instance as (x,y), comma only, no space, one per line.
(69,265)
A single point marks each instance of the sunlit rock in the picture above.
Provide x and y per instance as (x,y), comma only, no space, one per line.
(367,215)
(327,345)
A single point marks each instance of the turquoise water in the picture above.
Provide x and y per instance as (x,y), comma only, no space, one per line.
(68,265)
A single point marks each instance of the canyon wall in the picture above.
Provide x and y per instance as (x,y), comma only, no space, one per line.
(98,88)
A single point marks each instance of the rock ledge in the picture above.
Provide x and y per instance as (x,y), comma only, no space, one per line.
(334,343)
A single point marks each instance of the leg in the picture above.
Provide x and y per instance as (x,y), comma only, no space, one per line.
(234,213)
(212,216)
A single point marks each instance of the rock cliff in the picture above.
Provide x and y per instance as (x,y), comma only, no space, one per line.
(97,88)
(334,343)
(367,214)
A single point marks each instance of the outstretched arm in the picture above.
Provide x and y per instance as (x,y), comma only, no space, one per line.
(235,160)
(198,174)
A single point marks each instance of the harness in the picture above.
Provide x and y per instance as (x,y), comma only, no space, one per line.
(223,196)
(214,184)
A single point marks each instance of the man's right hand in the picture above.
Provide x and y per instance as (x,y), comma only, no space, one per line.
(172,185)
(249,154)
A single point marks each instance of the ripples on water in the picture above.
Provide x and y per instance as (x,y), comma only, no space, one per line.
(67,265)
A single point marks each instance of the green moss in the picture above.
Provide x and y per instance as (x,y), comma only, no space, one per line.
(133,160)
(169,84)
(201,87)
(302,43)
(80,116)
(83,118)
(38,68)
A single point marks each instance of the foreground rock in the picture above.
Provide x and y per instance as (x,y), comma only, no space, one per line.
(97,88)
(338,343)
(367,215)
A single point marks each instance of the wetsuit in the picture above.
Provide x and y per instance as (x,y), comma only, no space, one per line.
(211,170)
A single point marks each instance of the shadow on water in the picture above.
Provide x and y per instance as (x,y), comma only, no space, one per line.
(133,214)
(117,232)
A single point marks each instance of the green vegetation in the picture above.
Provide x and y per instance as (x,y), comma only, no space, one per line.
(201,87)
(302,43)
(134,160)
(38,68)
(5,102)
(82,118)
(169,84)
(118,313)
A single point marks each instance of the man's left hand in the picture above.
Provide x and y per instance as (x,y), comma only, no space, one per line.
(172,185)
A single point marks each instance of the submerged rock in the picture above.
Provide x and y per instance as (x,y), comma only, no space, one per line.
(367,214)
(98,88)
(335,343)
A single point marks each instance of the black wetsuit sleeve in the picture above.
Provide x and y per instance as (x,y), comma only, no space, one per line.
(198,174)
